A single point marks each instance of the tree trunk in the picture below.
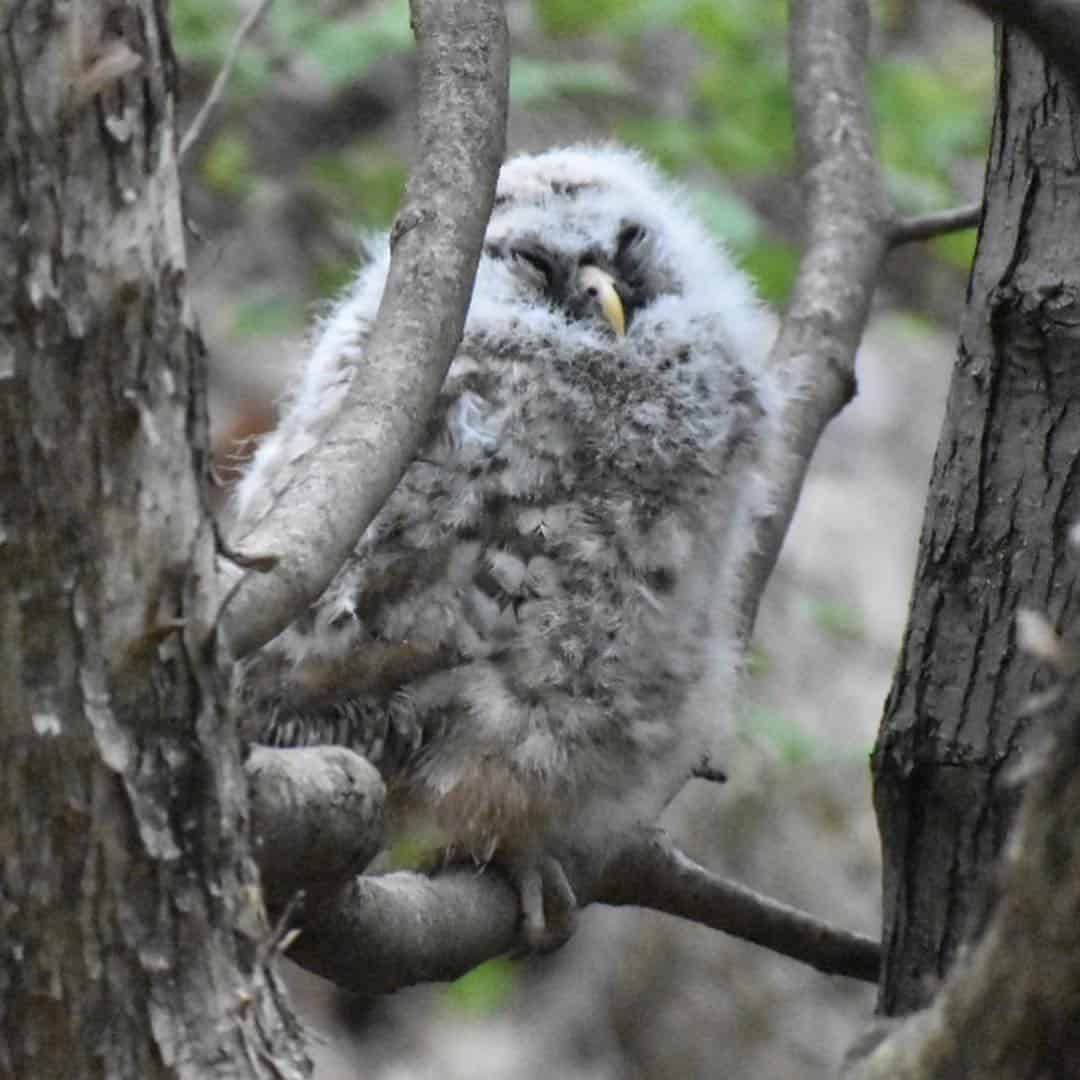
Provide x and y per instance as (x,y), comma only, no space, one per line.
(1002,499)
(131,928)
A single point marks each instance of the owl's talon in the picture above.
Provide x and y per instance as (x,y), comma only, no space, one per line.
(548,903)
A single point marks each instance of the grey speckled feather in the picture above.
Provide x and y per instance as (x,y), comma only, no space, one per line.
(534,635)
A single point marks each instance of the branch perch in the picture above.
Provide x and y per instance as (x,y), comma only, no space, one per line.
(375,934)
(464,65)
(316,818)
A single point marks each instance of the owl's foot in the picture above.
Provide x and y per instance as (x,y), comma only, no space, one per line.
(548,904)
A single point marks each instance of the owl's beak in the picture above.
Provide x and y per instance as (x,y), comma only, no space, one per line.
(600,285)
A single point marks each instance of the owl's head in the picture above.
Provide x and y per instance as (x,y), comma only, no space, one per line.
(592,240)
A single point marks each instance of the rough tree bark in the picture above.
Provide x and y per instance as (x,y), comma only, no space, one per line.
(132,939)
(1003,496)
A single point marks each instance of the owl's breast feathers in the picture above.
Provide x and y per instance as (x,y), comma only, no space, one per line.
(524,619)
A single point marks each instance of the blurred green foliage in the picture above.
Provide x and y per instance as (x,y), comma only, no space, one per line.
(788,743)
(731,120)
(837,619)
(481,991)
(783,736)
(226,165)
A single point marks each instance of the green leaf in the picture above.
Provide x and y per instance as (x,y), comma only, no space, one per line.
(226,165)
(484,989)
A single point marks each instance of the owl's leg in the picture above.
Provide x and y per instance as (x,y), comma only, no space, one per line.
(548,903)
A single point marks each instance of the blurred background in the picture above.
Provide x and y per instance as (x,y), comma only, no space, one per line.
(307,155)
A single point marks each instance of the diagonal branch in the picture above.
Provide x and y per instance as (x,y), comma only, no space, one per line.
(650,871)
(848,219)
(436,244)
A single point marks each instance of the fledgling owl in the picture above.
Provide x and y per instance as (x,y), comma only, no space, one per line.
(534,638)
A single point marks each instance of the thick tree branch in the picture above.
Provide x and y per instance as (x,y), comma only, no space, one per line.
(1009,1007)
(848,219)
(316,818)
(436,246)
(379,933)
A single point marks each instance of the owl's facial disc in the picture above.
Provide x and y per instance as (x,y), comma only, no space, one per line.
(600,285)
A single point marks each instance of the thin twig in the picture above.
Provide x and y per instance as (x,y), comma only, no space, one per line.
(195,128)
(927,226)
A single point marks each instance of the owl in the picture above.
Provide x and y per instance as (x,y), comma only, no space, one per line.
(534,638)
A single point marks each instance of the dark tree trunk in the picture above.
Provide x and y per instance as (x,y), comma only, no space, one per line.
(132,938)
(1003,497)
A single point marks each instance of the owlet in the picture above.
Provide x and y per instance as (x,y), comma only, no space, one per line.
(534,638)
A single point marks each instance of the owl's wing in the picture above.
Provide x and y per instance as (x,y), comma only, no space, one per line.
(398,614)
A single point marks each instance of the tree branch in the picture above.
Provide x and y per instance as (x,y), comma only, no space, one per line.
(316,818)
(848,219)
(927,226)
(436,245)
(380,933)
(650,871)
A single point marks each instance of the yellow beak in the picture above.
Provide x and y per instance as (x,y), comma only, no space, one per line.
(600,284)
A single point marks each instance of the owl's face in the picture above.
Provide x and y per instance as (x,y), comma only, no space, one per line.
(591,243)
(592,280)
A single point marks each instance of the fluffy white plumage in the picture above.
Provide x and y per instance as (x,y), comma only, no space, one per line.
(535,634)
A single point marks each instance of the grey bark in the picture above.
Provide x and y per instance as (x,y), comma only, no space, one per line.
(130,921)
(1003,496)
(1010,1007)
(316,819)
(377,933)
(436,240)
(847,225)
